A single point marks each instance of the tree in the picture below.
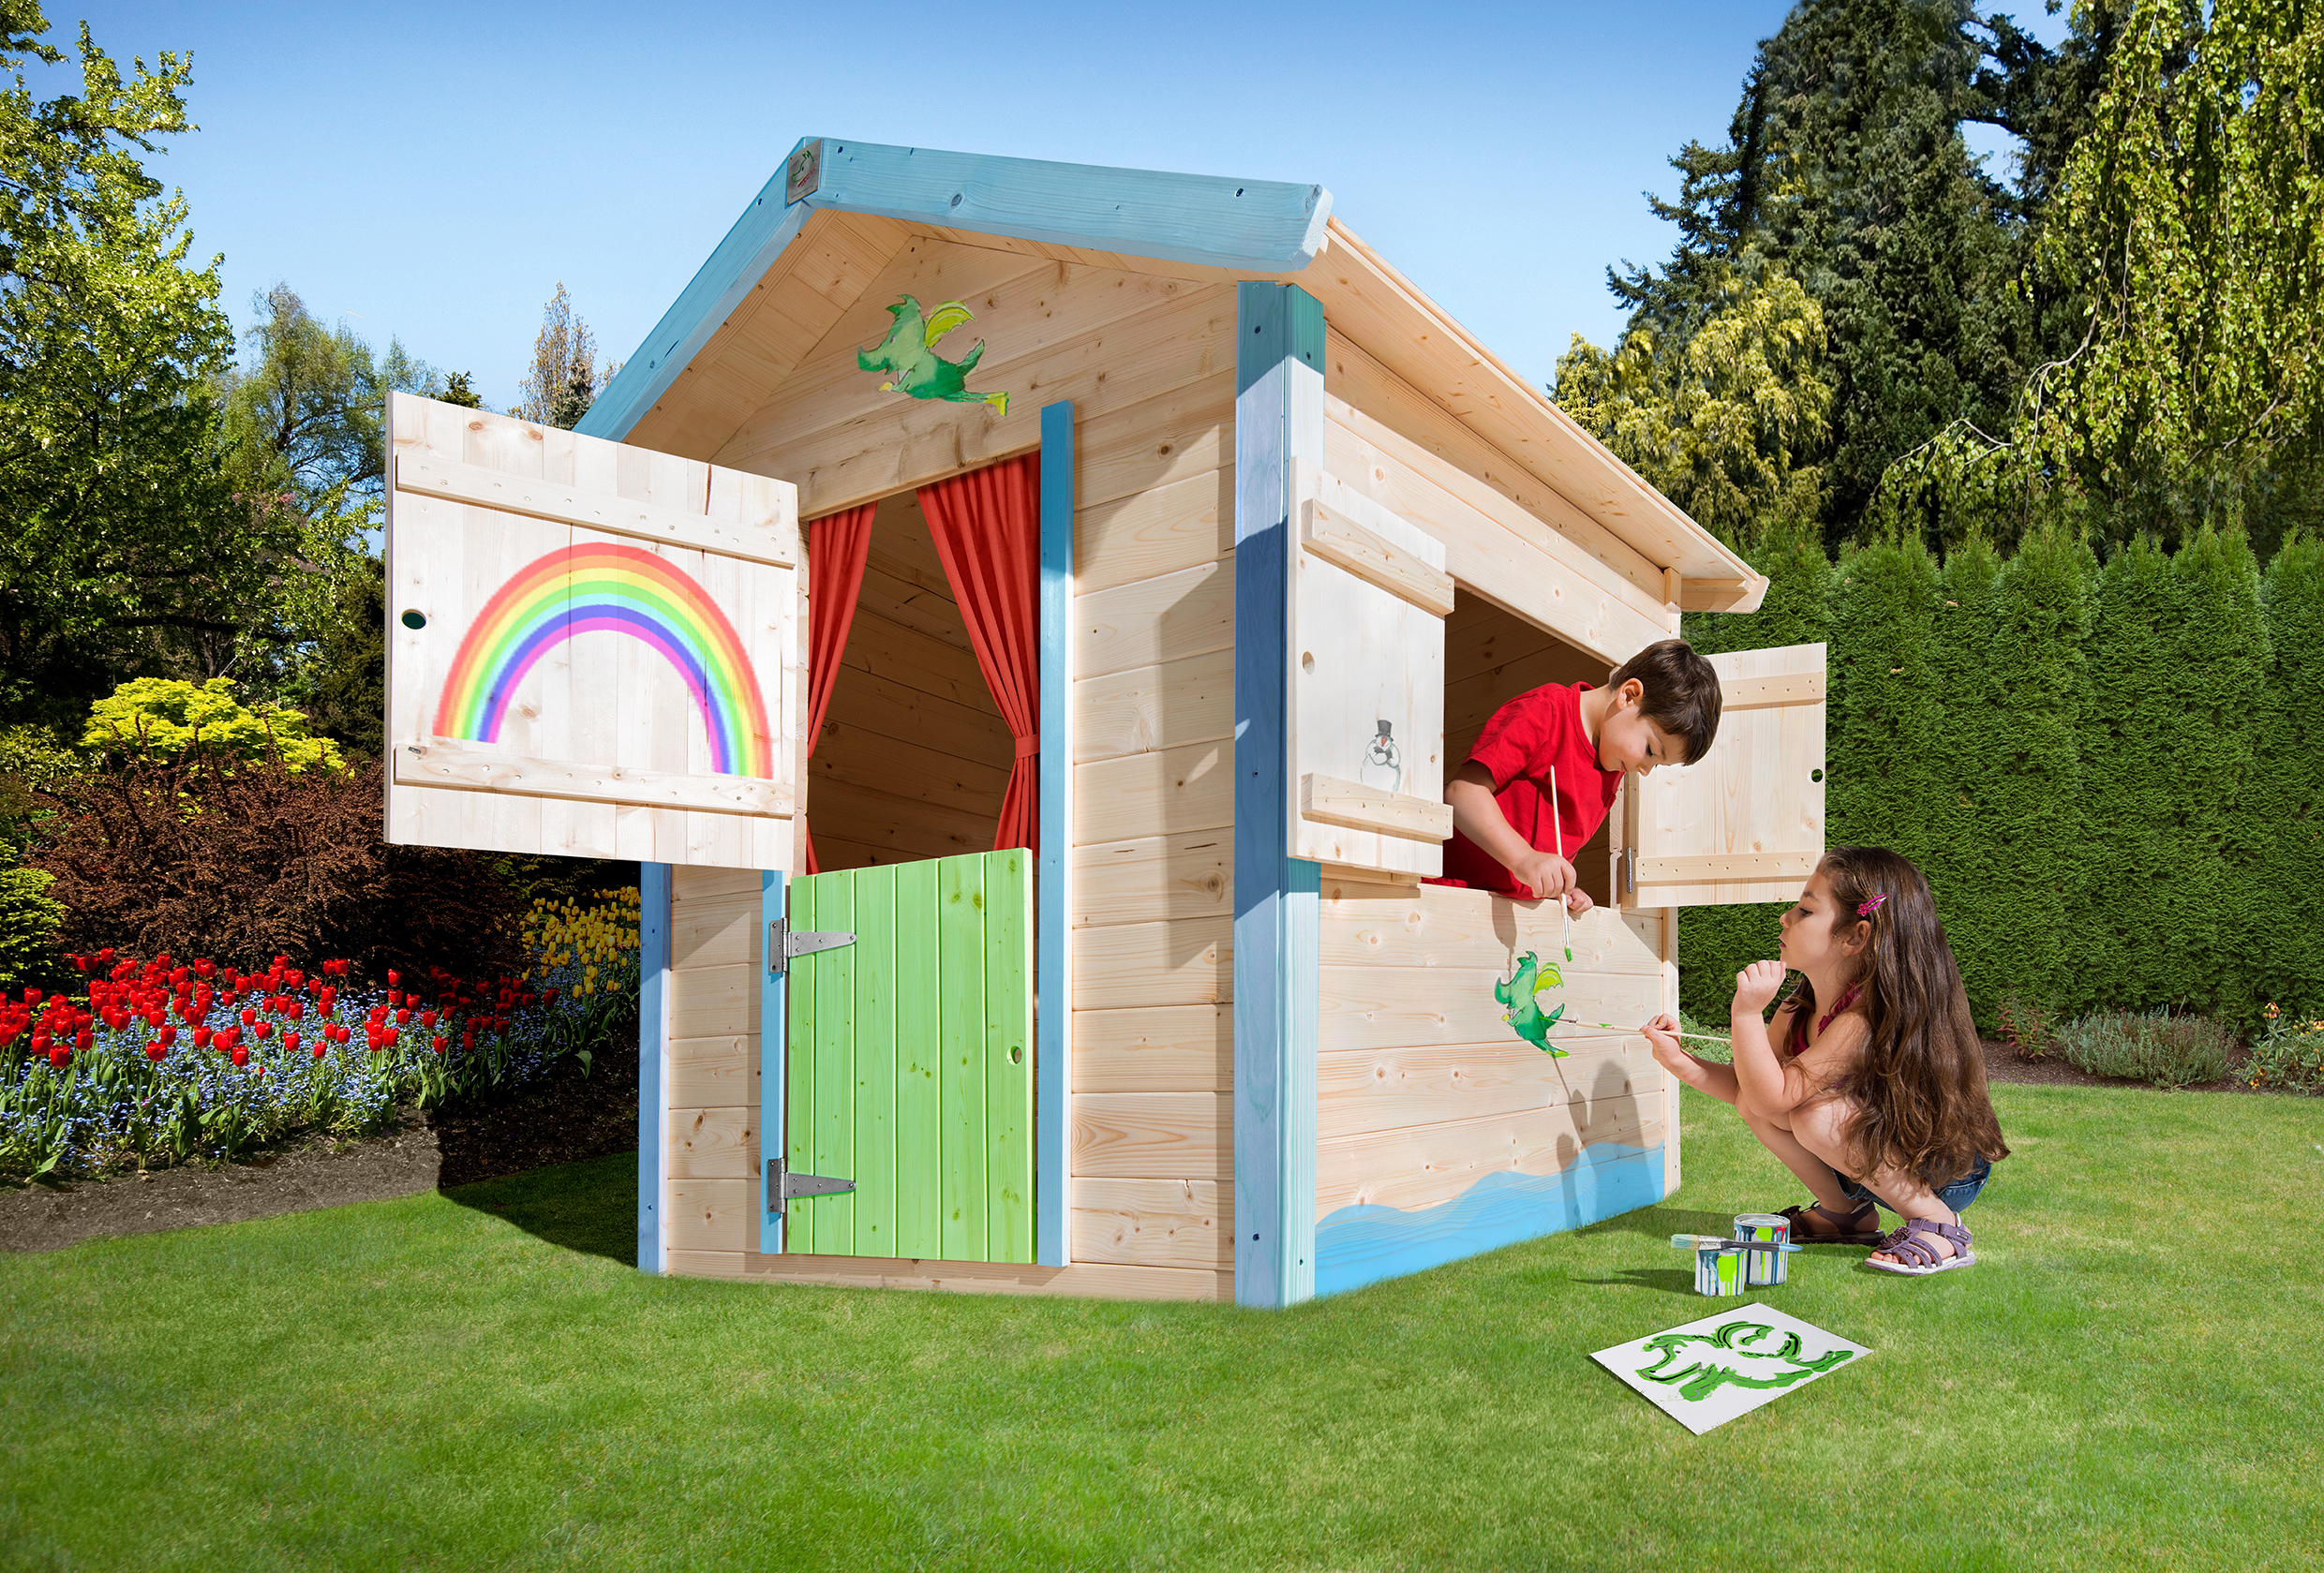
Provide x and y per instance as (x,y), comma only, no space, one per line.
(1845,169)
(1719,420)
(119,543)
(2192,220)
(565,378)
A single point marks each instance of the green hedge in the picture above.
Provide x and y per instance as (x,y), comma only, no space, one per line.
(2113,776)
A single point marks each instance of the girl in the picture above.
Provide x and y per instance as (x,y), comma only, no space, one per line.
(1886,1082)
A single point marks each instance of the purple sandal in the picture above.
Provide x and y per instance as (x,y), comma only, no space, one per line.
(1917,1257)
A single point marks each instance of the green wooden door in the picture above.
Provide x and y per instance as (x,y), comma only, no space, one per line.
(910,1061)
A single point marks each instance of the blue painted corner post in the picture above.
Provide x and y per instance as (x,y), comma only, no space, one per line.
(774,1023)
(1052,1057)
(1277,901)
(653,994)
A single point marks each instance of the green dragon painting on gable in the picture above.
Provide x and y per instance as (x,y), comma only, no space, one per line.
(908,356)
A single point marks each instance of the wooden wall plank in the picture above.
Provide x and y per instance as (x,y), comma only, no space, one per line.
(1154,1222)
(1185,963)
(1154,532)
(1155,878)
(1392,1089)
(1426,1166)
(1154,707)
(1094,1280)
(711,1073)
(713,1143)
(1438,925)
(1167,792)
(1384,1006)
(1153,1136)
(1148,622)
(1153,1048)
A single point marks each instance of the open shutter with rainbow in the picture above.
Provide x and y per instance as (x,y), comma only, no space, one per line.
(1369,596)
(592,649)
(1746,821)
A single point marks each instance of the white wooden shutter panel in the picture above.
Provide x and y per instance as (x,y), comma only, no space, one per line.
(1369,596)
(1746,822)
(592,649)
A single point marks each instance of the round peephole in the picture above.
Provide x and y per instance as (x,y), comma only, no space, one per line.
(1307,663)
(1815,775)
(415,619)
(1016,1056)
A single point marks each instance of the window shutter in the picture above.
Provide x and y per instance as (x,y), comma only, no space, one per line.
(593,649)
(1369,596)
(1745,822)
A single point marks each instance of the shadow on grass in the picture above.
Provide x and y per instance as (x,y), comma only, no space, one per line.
(590,1207)
(1670,1281)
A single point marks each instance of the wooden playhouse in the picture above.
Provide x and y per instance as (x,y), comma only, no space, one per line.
(1156,525)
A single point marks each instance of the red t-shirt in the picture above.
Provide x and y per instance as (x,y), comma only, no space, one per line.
(1524,739)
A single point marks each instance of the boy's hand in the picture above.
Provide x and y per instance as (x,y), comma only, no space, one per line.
(1755,984)
(1579,901)
(1545,874)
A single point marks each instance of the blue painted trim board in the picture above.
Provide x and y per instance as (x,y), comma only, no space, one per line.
(653,995)
(1053,1054)
(1360,1245)
(1251,226)
(774,1024)
(1277,905)
(730,273)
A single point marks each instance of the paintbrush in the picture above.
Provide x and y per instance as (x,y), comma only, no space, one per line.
(1705,1242)
(1556,828)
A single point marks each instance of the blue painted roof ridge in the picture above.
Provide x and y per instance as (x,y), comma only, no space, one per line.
(1253,226)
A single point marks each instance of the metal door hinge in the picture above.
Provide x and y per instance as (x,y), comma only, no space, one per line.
(786,1186)
(783,944)
(1630,871)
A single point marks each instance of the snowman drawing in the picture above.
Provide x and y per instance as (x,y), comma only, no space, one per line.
(1384,766)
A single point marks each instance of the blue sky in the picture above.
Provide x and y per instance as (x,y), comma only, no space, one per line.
(434,171)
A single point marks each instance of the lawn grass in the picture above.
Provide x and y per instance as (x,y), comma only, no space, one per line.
(480,1380)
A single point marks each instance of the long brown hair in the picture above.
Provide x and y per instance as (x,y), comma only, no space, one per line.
(1919,1090)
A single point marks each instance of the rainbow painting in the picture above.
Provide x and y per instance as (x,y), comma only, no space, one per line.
(603,589)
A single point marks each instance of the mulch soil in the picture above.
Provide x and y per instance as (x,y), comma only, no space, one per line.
(563,1119)
(2003,1064)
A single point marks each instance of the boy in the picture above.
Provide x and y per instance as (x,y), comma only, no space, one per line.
(1660,706)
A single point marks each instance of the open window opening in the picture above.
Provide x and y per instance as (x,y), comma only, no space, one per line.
(1492,656)
(913,758)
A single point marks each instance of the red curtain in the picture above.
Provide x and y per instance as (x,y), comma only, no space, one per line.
(987,526)
(836,548)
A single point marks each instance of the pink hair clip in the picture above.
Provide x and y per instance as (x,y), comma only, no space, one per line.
(1871,903)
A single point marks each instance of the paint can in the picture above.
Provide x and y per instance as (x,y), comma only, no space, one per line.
(1719,1271)
(1765,1268)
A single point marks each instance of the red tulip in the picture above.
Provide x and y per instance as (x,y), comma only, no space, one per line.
(169,1036)
(320,1049)
(83,1038)
(394,979)
(203,1037)
(240,1055)
(263,1028)
(58,1055)
(156,1049)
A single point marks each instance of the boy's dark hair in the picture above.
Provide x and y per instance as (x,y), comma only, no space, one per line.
(1681,693)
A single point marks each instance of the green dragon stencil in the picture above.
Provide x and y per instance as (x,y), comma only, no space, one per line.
(908,355)
(1703,1377)
(1522,995)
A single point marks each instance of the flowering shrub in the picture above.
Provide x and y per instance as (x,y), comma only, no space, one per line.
(161,1061)
(2289,1054)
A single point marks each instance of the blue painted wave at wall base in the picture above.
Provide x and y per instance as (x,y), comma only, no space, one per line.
(1360,1245)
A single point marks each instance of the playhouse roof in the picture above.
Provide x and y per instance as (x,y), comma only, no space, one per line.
(707,364)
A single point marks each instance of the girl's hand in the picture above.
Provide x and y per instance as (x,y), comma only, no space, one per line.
(1755,986)
(1662,1035)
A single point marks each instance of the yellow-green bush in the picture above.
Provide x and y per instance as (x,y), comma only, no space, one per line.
(164,716)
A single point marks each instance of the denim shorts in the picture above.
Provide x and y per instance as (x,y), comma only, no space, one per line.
(1957,1195)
